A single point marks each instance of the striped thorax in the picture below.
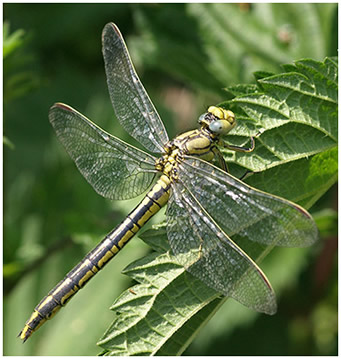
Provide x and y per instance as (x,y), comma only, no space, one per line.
(199,143)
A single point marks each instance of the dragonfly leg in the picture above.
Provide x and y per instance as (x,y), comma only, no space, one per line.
(223,165)
(247,174)
(243,149)
(238,149)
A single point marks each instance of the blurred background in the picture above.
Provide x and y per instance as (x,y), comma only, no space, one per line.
(185,55)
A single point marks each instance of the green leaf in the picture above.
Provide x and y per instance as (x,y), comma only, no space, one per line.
(212,45)
(326,221)
(11,41)
(303,181)
(166,309)
(18,79)
(161,314)
(297,114)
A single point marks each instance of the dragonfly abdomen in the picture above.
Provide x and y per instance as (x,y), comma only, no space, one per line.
(96,259)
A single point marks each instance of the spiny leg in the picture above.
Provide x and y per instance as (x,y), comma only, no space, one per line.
(222,162)
(241,148)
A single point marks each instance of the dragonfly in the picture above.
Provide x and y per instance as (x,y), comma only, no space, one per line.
(206,205)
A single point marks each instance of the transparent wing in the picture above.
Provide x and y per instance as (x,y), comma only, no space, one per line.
(210,255)
(245,211)
(130,100)
(114,169)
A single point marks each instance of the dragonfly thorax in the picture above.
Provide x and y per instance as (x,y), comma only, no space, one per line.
(167,164)
(199,143)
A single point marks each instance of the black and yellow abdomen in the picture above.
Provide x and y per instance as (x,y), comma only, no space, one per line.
(95,260)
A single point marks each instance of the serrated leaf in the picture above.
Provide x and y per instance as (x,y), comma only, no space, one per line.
(302,181)
(161,314)
(167,304)
(297,111)
(241,89)
(261,74)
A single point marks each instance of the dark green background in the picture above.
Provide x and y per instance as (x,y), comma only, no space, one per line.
(52,217)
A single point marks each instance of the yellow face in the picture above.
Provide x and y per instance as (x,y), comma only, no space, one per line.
(218,120)
(226,120)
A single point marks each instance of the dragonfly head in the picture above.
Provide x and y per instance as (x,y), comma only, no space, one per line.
(218,120)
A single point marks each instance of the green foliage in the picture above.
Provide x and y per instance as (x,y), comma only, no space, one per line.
(52,217)
(18,78)
(11,41)
(169,301)
(18,82)
(162,313)
(211,45)
(297,114)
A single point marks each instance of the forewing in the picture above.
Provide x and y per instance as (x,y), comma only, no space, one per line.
(245,211)
(114,169)
(210,255)
(130,100)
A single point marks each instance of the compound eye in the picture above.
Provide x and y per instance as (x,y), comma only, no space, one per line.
(202,118)
(221,127)
(217,127)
